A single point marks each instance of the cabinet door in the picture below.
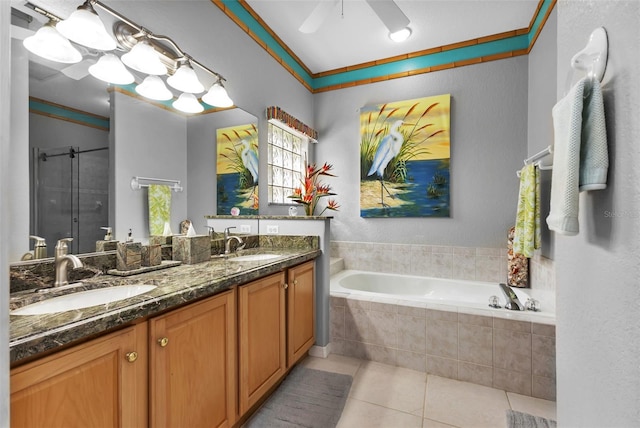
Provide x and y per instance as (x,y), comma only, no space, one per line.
(192,365)
(301,309)
(262,337)
(100,383)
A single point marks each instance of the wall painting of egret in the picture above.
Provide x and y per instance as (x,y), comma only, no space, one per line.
(237,169)
(404,158)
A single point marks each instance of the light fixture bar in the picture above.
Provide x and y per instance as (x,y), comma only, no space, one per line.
(129,34)
(179,54)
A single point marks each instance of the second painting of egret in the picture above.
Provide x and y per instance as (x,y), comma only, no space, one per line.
(404,158)
(237,169)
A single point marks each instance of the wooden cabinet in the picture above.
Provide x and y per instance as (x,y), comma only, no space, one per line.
(101,383)
(203,365)
(261,329)
(276,328)
(300,311)
(193,365)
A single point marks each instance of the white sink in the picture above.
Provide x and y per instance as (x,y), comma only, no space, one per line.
(83,299)
(254,257)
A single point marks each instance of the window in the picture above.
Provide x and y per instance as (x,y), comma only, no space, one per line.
(286,162)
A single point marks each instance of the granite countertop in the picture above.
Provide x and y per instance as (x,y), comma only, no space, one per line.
(34,334)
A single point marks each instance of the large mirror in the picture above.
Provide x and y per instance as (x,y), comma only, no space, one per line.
(86,143)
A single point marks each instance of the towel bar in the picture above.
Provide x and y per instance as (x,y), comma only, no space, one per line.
(173,184)
(535,159)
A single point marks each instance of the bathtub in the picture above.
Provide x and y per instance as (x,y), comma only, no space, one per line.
(444,327)
(439,293)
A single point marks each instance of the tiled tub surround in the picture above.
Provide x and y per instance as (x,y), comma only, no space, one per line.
(514,355)
(470,263)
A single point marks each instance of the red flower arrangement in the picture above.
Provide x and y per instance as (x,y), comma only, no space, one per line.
(312,190)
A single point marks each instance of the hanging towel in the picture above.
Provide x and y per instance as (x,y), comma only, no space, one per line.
(580,159)
(159,208)
(527,229)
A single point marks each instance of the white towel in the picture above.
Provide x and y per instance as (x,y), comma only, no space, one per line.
(580,159)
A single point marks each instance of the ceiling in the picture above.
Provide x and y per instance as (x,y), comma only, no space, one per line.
(353,34)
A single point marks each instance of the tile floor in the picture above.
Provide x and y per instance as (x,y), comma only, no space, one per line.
(393,397)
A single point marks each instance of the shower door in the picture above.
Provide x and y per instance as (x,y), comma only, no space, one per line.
(70,196)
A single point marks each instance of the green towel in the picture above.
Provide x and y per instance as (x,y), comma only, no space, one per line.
(527,233)
(159,208)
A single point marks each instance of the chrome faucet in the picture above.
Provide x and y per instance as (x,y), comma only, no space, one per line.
(512,299)
(61,261)
(228,238)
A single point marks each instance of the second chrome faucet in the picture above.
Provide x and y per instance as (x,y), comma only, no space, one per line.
(228,238)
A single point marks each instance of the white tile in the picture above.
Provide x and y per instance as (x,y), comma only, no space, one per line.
(358,413)
(533,406)
(392,387)
(428,423)
(465,404)
(333,363)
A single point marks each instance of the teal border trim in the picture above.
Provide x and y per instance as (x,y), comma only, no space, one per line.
(424,61)
(243,15)
(68,114)
(506,45)
(537,23)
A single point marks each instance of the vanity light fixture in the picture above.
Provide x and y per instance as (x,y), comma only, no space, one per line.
(144,58)
(85,27)
(49,44)
(217,96)
(188,103)
(185,79)
(153,87)
(110,69)
(400,35)
(163,57)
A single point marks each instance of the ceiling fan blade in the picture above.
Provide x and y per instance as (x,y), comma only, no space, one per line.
(80,70)
(390,14)
(317,16)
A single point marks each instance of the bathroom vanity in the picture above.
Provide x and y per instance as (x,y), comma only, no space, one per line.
(203,348)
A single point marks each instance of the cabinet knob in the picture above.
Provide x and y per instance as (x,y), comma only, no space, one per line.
(131,356)
(163,342)
(295,282)
(285,285)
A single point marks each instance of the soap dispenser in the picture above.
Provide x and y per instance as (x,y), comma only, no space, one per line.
(108,244)
(107,236)
(39,248)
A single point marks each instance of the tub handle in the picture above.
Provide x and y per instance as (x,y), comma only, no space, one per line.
(494,302)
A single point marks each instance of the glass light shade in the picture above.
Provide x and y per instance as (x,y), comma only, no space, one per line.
(217,96)
(188,103)
(144,58)
(153,87)
(85,27)
(49,44)
(400,35)
(185,80)
(110,69)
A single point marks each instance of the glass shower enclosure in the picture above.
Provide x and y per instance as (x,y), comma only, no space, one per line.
(70,196)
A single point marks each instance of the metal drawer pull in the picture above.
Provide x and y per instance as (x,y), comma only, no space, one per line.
(163,342)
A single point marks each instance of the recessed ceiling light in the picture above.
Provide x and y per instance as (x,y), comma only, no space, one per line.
(401,35)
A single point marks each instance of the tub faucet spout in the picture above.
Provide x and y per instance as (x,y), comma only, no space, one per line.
(512,299)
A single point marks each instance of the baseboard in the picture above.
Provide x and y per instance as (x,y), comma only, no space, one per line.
(320,351)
